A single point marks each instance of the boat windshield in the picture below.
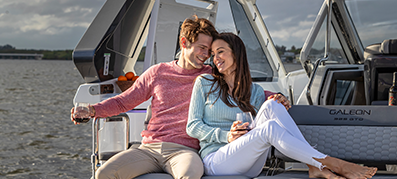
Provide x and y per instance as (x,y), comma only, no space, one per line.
(374,20)
(289,23)
(259,64)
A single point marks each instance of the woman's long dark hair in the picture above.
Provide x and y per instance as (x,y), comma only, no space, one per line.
(241,94)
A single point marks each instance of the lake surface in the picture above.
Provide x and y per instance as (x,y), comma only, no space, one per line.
(38,140)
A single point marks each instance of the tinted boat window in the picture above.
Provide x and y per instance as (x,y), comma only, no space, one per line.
(258,62)
(344,91)
(374,20)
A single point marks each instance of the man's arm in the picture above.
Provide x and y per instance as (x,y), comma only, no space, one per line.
(138,93)
(280,98)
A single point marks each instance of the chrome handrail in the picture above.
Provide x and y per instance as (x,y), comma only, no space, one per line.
(328,30)
(326,53)
(308,95)
(95,140)
(94,155)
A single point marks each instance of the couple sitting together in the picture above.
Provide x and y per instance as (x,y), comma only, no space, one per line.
(194,111)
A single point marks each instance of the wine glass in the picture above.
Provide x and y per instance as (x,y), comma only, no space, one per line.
(81,113)
(245,117)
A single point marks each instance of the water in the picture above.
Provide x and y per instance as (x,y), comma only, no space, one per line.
(38,140)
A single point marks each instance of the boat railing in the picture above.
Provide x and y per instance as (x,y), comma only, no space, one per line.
(99,124)
(308,95)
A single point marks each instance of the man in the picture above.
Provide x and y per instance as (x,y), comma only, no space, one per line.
(165,145)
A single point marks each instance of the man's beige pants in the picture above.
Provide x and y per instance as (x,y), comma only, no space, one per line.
(178,160)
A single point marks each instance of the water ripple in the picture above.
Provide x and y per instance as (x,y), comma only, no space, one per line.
(38,139)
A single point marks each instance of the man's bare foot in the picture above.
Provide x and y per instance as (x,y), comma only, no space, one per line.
(347,169)
(314,172)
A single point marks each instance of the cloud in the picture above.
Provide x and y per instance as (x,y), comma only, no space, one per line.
(40,19)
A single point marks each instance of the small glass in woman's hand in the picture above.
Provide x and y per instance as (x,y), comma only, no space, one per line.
(81,113)
(245,117)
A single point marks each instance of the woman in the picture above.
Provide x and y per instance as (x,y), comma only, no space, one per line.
(227,150)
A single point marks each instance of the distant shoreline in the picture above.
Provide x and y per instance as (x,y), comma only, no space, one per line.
(46,54)
(39,60)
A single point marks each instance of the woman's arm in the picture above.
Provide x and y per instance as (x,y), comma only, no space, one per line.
(196,127)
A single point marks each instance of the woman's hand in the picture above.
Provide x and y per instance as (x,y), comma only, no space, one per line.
(281,99)
(237,131)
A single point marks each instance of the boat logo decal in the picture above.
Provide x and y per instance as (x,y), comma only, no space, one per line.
(349,114)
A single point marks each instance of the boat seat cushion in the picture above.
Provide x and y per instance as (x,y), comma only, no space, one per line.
(359,144)
(360,134)
(287,175)
(387,47)
(379,64)
(168,176)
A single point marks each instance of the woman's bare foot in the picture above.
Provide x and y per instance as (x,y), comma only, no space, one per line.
(347,169)
(314,172)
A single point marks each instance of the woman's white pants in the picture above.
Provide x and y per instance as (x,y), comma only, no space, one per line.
(247,155)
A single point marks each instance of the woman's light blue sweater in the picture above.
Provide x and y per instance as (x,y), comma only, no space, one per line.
(210,122)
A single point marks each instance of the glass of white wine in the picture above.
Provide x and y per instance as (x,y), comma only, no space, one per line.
(246,117)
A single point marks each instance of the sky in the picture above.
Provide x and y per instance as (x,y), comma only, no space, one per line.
(45,24)
(59,24)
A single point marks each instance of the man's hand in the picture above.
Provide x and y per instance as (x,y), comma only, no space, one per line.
(281,99)
(72,118)
(237,131)
(79,113)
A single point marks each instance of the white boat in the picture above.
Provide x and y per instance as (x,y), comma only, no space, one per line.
(340,97)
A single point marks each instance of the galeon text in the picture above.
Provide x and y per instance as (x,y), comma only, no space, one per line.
(349,112)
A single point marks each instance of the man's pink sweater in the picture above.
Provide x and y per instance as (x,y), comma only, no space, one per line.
(170,87)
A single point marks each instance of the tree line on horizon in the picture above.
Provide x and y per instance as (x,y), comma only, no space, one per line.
(67,54)
(47,54)
(282,49)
